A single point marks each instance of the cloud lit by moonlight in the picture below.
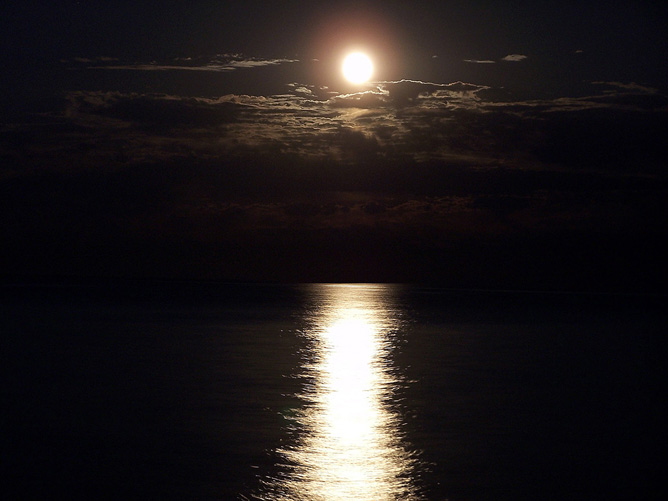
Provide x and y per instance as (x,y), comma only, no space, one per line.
(357,68)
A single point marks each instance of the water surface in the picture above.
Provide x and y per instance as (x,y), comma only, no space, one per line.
(349,438)
(309,392)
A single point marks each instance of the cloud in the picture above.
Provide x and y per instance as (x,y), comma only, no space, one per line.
(218,63)
(616,96)
(459,123)
(404,91)
(426,169)
(312,91)
(628,87)
(514,57)
(366,100)
(88,60)
(509,57)
(304,90)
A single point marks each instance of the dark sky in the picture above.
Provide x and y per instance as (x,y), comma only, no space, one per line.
(499,144)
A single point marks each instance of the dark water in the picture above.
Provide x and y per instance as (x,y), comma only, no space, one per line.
(205,391)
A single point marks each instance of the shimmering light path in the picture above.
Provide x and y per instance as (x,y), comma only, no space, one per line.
(350,446)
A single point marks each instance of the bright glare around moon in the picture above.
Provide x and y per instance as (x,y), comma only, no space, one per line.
(357,68)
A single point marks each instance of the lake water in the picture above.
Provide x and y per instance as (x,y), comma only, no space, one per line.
(330,392)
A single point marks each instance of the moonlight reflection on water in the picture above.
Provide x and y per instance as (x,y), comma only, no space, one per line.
(350,444)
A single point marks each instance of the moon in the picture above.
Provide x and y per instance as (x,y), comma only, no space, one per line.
(357,68)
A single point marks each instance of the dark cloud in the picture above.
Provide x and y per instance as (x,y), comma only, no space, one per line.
(218,142)
(356,143)
(199,219)
(168,113)
(457,122)
(406,91)
(435,172)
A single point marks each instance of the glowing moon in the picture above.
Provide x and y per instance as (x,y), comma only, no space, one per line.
(357,68)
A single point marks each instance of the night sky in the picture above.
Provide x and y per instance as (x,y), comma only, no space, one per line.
(498,144)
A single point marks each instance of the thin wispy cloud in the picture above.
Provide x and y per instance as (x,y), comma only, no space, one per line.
(628,87)
(514,57)
(219,63)
(89,60)
(509,57)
